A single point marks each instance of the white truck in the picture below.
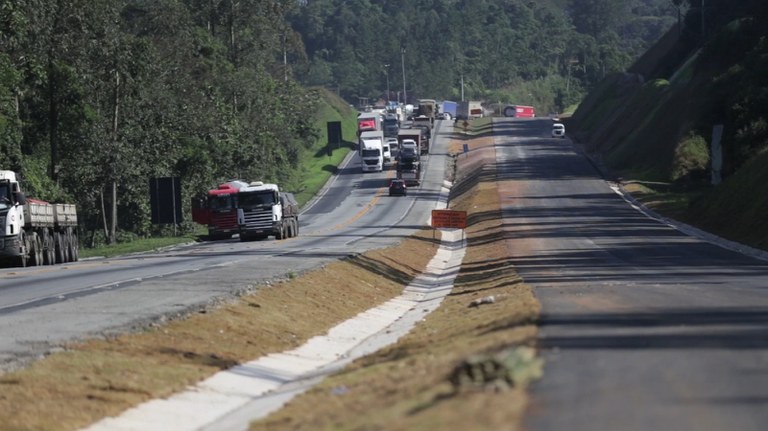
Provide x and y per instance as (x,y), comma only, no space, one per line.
(263,210)
(33,231)
(467,110)
(372,151)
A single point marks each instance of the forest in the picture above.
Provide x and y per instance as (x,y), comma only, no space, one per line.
(98,96)
(545,53)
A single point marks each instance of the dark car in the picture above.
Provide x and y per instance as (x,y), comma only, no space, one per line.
(398,187)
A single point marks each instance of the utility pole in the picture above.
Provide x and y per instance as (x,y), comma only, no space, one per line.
(386,72)
(402,61)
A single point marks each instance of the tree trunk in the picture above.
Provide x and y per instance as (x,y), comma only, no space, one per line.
(104,215)
(53,120)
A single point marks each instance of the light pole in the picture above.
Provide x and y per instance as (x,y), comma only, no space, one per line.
(402,61)
(386,72)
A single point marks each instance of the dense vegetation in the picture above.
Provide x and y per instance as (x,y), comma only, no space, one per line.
(97,96)
(656,121)
(546,53)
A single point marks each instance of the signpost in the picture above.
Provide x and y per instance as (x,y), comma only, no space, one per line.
(449,219)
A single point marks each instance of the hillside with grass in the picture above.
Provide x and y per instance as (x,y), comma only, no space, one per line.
(653,124)
(320,160)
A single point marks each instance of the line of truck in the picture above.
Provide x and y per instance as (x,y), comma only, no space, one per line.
(405,149)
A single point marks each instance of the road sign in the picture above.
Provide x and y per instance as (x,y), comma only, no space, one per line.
(449,219)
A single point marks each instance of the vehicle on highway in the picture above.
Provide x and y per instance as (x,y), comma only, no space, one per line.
(263,210)
(372,151)
(393,148)
(447,110)
(368,122)
(409,162)
(428,108)
(218,210)
(417,135)
(468,109)
(386,153)
(391,126)
(33,231)
(558,130)
(520,111)
(398,188)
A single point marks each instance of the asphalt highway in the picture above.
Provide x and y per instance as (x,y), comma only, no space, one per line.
(42,308)
(643,327)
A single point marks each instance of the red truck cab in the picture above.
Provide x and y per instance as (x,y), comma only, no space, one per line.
(219,210)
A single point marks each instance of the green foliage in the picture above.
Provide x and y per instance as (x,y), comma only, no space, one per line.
(732,209)
(10,126)
(36,182)
(96,93)
(691,158)
(356,47)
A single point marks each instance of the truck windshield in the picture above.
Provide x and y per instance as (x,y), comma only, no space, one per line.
(371,153)
(5,196)
(254,199)
(223,202)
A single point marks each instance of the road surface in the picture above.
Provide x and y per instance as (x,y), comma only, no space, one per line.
(643,327)
(43,307)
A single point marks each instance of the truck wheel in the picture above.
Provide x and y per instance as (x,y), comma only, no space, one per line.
(75,248)
(70,247)
(36,250)
(50,248)
(280,234)
(297,226)
(59,247)
(24,256)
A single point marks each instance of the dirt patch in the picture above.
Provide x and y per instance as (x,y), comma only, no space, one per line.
(430,378)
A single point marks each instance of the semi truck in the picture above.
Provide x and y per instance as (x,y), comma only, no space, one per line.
(391,125)
(35,232)
(428,108)
(416,134)
(409,163)
(520,111)
(448,109)
(263,210)
(469,109)
(372,151)
(368,122)
(218,210)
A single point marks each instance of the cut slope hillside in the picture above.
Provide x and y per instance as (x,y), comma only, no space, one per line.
(655,122)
